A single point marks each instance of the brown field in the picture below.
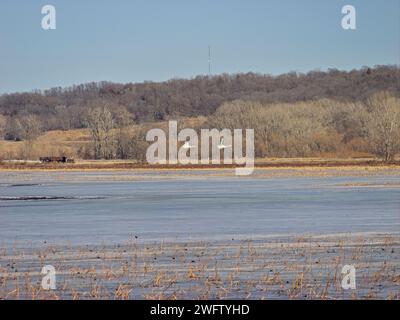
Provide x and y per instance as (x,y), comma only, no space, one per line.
(51,143)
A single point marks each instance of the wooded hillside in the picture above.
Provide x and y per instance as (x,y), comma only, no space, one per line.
(66,108)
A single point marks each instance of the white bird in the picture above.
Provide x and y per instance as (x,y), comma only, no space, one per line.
(222,146)
(187,145)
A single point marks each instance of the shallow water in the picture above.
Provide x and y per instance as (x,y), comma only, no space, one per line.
(75,208)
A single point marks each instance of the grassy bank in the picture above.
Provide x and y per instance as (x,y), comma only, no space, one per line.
(282,163)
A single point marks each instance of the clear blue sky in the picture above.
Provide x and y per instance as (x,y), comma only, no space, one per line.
(134,41)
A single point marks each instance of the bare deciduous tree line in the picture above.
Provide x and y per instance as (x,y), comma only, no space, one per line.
(67,108)
(318,127)
(301,129)
(112,136)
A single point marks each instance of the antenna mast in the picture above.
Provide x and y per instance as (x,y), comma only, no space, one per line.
(209,61)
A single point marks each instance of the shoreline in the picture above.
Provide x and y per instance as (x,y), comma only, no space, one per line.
(110,165)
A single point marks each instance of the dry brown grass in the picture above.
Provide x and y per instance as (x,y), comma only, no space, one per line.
(307,267)
(51,143)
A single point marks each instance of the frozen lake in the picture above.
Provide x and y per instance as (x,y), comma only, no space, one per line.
(74,208)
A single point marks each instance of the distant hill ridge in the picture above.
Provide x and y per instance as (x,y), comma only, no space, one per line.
(202,95)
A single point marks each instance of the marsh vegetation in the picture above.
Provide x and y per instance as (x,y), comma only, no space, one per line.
(302,267)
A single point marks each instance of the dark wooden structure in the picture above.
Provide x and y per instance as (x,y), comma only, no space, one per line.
(56,159)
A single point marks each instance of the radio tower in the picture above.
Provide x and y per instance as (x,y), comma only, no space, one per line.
(209,61)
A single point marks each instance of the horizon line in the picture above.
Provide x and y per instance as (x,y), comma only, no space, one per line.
(176,78)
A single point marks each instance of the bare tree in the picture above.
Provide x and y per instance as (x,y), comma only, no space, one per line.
(30,127)
(3,122)
(123,120)
(30,130)
(13,130)
(101,124)
(383,125)
(138,144)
